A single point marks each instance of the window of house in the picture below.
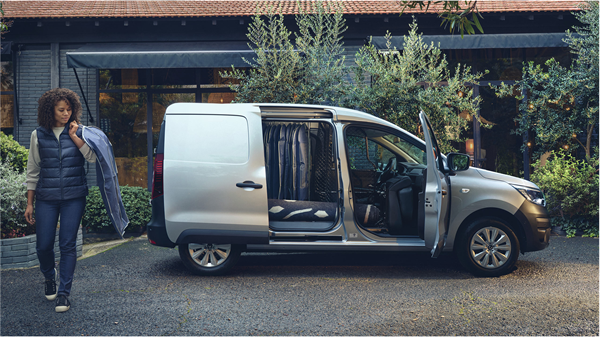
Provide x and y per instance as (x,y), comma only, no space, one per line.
(7,98)
(124,97)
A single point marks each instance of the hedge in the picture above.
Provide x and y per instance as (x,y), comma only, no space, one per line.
(13,153)
(137,206)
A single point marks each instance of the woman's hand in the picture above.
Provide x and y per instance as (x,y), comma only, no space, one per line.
(29,214)
(73,134)
(73,129)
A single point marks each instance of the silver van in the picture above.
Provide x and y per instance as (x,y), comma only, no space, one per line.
(280,177)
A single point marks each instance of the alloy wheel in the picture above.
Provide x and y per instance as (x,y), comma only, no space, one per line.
(209,255)
(490,247)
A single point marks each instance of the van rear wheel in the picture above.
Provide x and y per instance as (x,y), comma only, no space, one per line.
(209,259)
(488,247)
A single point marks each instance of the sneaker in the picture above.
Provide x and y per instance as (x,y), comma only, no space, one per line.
(62,304)
(50,287)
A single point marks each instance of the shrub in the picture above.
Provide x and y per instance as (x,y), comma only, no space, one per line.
(137,207)
(13,202)
(13,153)
(571,189)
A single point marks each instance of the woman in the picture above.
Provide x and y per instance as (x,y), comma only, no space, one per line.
(56,180)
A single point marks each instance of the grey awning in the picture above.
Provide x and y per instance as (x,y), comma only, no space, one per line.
(160,55)
(481,41)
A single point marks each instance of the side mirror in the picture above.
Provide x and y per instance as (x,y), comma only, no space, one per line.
(458,161)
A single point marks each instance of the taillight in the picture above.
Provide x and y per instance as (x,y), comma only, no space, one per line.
(157,179)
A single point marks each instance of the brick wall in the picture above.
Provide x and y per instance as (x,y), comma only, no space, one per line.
(32,80)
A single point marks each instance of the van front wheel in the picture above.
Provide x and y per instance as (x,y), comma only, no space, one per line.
(209,259)
(488,247)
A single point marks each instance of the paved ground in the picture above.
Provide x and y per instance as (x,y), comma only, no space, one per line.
(138,289)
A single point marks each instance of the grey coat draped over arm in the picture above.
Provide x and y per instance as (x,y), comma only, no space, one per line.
(106,175)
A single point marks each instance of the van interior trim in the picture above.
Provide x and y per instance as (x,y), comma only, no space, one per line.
(305,226)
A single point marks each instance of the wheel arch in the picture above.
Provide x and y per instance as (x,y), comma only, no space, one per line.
(510,220)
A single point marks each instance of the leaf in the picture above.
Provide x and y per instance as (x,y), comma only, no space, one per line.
(476,21)
(469,28)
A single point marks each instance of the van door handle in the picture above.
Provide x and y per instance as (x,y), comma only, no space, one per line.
(249,184)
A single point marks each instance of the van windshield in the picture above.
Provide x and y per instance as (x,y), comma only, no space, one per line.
(409,151)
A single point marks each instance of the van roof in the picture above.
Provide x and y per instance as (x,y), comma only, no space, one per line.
(286,110)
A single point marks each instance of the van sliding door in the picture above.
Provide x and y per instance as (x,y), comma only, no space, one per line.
(215,182)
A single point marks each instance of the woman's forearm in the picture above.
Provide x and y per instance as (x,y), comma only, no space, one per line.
(30,197)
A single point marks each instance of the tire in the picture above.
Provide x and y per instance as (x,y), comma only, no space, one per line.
(209,259)
(488,247)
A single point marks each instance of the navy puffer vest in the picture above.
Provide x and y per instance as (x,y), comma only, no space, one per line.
(62,175)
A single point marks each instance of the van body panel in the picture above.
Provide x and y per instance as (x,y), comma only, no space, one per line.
(207,153)
(504,178)
(470,194)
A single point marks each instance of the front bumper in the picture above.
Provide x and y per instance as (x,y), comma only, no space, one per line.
(536,226)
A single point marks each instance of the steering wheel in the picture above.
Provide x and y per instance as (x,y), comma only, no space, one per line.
(388,171)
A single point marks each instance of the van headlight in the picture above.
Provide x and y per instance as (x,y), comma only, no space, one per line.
(535,196)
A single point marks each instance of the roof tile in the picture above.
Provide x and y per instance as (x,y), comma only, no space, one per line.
(212,8)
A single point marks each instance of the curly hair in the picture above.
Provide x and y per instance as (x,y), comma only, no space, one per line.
(50,98)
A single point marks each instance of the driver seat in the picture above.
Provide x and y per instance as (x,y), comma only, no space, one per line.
(399,203)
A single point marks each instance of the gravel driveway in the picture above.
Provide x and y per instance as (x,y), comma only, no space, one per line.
(139,289)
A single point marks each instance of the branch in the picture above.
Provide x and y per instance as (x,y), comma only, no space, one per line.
(452,14)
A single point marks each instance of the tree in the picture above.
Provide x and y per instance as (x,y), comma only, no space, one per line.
(320,40)
(4,25)
(395,85)
(309,69)
(560,104)
(454,14)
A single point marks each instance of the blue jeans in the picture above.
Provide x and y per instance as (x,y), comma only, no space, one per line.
(46,218)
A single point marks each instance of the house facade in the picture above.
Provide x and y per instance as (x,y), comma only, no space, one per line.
(129,60)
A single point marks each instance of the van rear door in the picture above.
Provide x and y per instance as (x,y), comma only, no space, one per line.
(214,174)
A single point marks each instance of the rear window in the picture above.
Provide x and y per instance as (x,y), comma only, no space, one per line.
(207,139)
